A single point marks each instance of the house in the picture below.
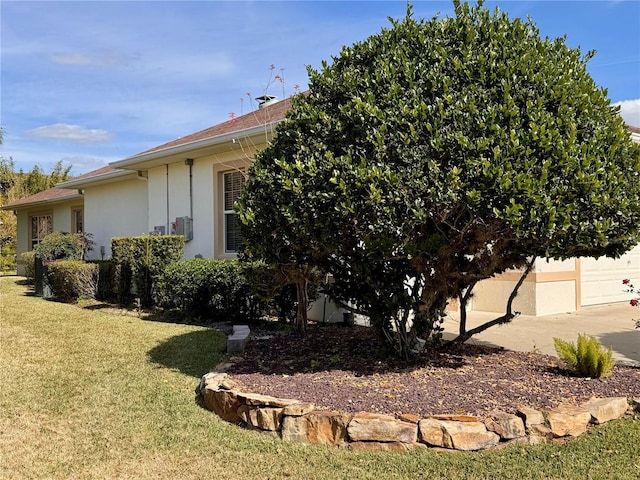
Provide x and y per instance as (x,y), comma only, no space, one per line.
(189,186)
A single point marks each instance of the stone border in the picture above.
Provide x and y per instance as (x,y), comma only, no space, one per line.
(301,422)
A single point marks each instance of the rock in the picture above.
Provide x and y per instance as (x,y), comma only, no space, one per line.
(212,379)
(255,399)
(228,384)
(507,425)
(381,428)
(604,409)
(298,409)
(531,416)
(431,432)
(385,446)
(317,427)
(409,417)
(529,440)
(568,420)
(468,436)
(263,418)
(635,404)
(540,431)
(456,418)
(224,403)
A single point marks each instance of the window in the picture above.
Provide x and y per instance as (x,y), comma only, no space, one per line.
(41,226)
(77,220)
(232,188)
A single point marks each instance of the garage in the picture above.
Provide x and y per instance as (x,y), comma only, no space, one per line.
(601,280)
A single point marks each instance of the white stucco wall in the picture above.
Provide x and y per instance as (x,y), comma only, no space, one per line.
(205,188)
(115,210)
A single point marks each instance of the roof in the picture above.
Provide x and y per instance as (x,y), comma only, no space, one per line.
(220,137)
(54,194)
(266,115)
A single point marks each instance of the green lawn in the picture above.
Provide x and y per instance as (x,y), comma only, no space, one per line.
(86,394)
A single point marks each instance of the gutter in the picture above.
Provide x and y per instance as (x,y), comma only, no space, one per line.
(131,162)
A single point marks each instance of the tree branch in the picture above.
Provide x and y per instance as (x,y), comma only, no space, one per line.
(507,317)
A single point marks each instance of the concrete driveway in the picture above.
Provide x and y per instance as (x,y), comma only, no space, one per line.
(612,324)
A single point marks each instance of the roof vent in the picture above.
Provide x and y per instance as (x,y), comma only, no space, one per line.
(265,100)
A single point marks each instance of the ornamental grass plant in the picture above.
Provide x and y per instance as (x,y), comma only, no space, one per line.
(587,357)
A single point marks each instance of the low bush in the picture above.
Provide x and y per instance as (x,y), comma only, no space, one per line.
(587,357)
(71,280)
(28,260)
(208,289)
(106,289)
(60,246)
(140,260)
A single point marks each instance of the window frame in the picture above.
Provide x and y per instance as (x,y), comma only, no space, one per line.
(34,241)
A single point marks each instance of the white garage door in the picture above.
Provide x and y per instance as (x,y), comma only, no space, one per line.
(601,280)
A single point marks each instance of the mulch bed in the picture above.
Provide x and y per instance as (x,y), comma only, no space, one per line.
(344,368)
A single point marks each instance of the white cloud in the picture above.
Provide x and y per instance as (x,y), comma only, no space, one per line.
(102,59)
(630,111)
(71,133)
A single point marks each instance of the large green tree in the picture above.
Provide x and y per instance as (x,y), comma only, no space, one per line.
(436,154)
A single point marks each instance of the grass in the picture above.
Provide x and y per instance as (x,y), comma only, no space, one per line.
(87,394)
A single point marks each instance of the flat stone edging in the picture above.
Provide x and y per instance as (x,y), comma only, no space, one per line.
(301,422)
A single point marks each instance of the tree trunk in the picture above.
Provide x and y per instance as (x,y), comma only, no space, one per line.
(302,290)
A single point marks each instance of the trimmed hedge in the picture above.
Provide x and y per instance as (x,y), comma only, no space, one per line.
(71,280)
(60,246)
(140,260)
(207,288)
(107,278)
(28,259)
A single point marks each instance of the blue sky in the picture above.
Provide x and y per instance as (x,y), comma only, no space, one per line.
(94,82)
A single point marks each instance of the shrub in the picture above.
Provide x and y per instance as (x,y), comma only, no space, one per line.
(208,288)
(587,357)
(60,246)
(72,279)
(140,260)
(106,289)
(28,259)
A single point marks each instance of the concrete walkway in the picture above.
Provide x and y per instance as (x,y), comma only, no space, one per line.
(612,324)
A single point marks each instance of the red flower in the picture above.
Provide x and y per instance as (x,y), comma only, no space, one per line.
(634,302)
(625,281)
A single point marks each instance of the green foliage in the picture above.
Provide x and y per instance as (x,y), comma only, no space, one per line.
(587,357)
(28,260)
(106,288)
(436,154)
(71,280)
(60,246)
(141,260)
(209,289)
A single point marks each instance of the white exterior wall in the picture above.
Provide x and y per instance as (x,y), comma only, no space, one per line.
(550,288)
(205,190)
(117,209)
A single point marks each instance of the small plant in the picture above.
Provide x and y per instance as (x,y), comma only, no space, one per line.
(587,357)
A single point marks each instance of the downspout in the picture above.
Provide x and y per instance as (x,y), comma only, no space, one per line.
(168,224)
(189,162)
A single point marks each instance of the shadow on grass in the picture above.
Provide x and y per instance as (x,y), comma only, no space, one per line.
(194,353)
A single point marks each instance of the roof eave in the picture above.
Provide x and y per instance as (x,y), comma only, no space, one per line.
(158,157)
(22,206)
(96,180)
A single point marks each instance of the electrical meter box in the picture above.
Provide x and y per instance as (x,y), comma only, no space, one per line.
(184,226)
